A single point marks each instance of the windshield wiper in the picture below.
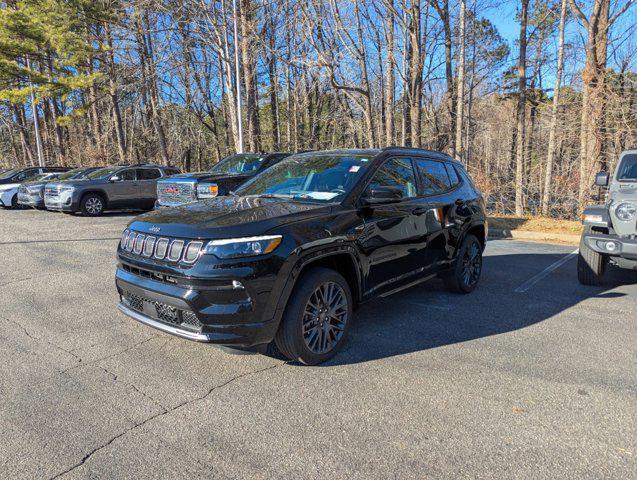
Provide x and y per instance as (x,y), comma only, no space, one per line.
(273,195)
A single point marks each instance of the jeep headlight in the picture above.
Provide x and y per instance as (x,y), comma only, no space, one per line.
(207,190)
(67,189)
(626,212)
(243,247)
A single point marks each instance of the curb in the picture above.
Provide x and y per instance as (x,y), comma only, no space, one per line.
(534,236)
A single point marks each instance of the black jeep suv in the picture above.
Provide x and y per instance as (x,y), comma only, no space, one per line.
(300,245)
(222,178)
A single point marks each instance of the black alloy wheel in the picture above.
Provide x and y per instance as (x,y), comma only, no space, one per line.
(325,318)
(465,274)
(317,319)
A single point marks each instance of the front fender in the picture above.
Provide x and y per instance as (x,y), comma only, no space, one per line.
(596,216)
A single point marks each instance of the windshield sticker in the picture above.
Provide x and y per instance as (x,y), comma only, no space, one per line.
(319,195)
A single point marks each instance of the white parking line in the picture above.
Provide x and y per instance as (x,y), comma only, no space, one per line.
(545,273)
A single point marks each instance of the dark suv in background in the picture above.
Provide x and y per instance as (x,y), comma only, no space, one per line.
(222,178)
(109,188)
(289,256)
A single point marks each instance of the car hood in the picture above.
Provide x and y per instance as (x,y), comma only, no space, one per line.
(627,192)
(226,217)
(8,186)
(205,176)
(72,183)
(36,183)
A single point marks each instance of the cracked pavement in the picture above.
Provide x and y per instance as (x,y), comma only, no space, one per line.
(496,384)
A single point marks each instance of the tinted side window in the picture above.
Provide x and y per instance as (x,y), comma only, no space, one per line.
(127,175)
(453,175)
(434,176)
(148,174)
(396,172)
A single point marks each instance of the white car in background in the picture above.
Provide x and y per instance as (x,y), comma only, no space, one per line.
(12,179)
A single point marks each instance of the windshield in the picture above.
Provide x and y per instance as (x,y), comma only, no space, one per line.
(40,176)
(239,164)
(627,171)
(72,174)
(9,173)
(321,177)
(102,172)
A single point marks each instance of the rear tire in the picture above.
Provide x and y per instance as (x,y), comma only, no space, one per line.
(92,205)
(467,269)
(317,319)
(591,265)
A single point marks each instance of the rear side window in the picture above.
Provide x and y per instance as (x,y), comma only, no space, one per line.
(396,172)
(434,176)
(453,175)
(148,174)
(170,171)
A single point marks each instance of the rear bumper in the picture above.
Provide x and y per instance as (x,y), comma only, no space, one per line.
(224,315)
(623,247)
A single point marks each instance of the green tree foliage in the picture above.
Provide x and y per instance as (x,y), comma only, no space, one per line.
(52,38)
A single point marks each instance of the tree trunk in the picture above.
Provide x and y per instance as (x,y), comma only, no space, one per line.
(550,154)
(390,129)
(246,20)
(461,67)
(521,120)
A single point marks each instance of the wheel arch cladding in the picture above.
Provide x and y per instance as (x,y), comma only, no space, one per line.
(479,232)
(100,193)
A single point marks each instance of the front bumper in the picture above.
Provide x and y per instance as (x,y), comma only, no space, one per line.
(61,203)
(624,247)
(6,197)
(28,200)
(209,310)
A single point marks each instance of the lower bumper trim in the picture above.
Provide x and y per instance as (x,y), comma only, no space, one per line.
(199,337)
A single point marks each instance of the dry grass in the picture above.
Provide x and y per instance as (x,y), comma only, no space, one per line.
(535,224)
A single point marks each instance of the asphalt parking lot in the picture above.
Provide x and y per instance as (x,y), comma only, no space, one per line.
(532,376)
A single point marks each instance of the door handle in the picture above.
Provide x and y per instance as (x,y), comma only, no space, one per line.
(419,210)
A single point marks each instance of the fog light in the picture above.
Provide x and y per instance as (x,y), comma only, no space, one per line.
(608,246)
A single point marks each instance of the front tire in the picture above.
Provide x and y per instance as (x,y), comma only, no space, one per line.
(92,205)
(591,265)
(466,271)
(317,319)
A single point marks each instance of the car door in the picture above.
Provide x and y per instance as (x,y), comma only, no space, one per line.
(122,189)
(392,234)
(147,184)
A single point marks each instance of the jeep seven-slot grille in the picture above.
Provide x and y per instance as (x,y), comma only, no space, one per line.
(161,312)
(161,248)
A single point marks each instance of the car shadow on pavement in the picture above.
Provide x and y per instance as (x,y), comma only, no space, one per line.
(427,316)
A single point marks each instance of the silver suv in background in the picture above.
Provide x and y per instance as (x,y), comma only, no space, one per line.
(110,188)
(610,230)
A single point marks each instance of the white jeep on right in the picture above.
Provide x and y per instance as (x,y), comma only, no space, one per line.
(610,230)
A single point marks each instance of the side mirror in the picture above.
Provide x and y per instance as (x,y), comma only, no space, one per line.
(602,179)
(380,195)
(115,178)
